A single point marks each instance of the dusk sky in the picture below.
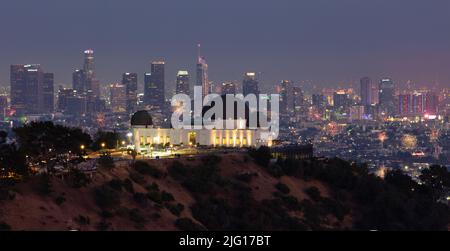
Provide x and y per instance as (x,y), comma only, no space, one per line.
(325,41)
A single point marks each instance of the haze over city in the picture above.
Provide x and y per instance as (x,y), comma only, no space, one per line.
(323,42)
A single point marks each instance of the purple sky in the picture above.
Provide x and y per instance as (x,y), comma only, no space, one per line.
(325,41)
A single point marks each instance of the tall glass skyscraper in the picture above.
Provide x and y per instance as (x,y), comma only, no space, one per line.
(250,84)
(155,84)
(202,74)
(182,83)
(130,81)
(31,89)
(387,96)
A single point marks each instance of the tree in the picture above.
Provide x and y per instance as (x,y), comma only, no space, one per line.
(43,140)
(262,155)
(437,179)
(12,161)
(110,140)
(106,161)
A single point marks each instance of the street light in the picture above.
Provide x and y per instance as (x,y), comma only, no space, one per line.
(82,147)
(103,145)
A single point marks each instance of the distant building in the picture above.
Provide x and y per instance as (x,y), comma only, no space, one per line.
(90,81)
(387,96)
(368,92)
(130,81)
(341,101)
(78,82)
(250,84)
(48,93)
(70,102)
(118,98)
(228,88)
(418,104)
(31,89)
(202,74)
(3,106)
(183,84)
(155,84)
(286,99)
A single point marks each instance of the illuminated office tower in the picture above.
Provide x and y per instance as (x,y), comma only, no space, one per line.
(30,87)
(286,98)
(366,91)
(130,81)
(48,94)
(183,83)
(228,87)
(155,84)
(118,97)
(202,74)
(387,96)
(250,84)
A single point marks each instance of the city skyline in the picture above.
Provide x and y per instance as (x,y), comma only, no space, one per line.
(327,47)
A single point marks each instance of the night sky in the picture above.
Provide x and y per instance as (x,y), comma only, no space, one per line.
(324,41)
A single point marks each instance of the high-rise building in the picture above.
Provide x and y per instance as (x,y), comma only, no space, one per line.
(286,98)
(366,91)
(155,84)
(85,80)
(300,110)
(48,93)
(202,74)
(431,103)
(183,83)
(130,81)
(118,98)
(341,101)
(78,81)
(228,88)
(28,89)
(405,104)
(63,96)
(89,71)
(3,105)
(250,84)
(387,96)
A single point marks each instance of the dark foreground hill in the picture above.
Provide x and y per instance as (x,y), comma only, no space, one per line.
(227,192)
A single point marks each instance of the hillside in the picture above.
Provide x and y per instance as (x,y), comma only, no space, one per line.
(223,192)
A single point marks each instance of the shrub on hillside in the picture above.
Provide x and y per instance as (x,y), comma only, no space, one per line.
(178,170)
(78,179)
(186,224)
(106,161)
(147,169)
(175,209)
(262,155)
(4,226)
(137,177)
(141,199)
(44,184)
(313,193)
(106,197)
(282,188)
(128,185)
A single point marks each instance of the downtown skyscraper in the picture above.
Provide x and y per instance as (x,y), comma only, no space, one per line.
(369,92)
(84,80)
(202,74)
(31,89)
(130,81)
(182,85)
(154,85)
(250,84)
(387,96)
